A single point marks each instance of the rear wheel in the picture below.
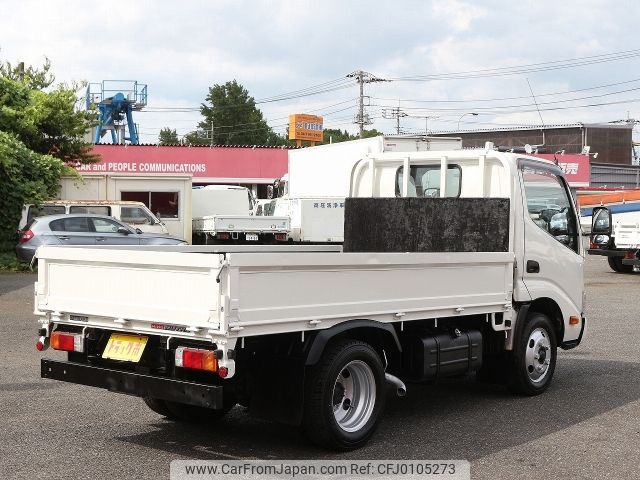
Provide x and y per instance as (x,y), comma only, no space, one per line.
(158,406)
(344,396)
(192,413)
(533,359)
(617,266)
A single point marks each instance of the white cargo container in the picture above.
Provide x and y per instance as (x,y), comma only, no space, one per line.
(221,200)
(319,180)
(325,170)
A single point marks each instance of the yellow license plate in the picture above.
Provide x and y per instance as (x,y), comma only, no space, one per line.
(125,347)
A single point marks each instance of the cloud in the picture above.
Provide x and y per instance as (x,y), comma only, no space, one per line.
(180,49)
(458,15)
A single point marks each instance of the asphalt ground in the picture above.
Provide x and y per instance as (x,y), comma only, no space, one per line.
(587,425)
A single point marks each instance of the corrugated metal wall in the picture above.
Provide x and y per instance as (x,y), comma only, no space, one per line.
(626,176)
(613,143)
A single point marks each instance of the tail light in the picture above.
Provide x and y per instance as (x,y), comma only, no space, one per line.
(281,237)
(26,235)
(196,359)
(42,343)
(69,342)
(630,255)
(222,236)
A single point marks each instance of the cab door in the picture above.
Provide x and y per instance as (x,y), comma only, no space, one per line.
(553,261)
(73,231)
(110,232)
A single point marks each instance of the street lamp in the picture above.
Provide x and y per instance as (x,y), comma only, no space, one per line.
(468,113)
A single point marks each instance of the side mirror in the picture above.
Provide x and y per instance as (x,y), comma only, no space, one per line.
(600,227)
(601,221)
(124,231)
(138,231)
(558,225)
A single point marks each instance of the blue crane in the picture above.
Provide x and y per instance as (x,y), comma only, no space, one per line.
(116,100)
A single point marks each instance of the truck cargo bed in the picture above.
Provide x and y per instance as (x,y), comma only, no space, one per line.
(247,291)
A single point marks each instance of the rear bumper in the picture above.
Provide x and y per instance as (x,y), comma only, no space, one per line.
(25,254)
(131,383)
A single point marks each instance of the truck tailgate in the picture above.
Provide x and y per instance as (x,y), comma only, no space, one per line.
(130,289)
(242,223)
(627,235)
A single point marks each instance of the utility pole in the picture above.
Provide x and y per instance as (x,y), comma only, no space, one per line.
(361,77)
(426,122)
(394,113)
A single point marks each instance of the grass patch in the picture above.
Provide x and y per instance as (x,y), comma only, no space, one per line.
(9,263)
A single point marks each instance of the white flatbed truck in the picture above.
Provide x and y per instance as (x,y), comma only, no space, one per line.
(223,214)
(242,228)
(617,237)
(310,335)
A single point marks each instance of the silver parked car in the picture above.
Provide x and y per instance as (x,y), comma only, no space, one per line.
(83,230)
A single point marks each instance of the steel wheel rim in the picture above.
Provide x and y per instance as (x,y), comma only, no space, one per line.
(538,355)
(354,396)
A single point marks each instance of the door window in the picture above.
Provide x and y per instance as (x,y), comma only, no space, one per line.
(74,224)
(102,225)
(162,204)
(91,209)
(549,204)
(135,215)
(43,210)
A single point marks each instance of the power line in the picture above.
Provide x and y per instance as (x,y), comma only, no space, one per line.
(497,107)
(522,69)
(510,98)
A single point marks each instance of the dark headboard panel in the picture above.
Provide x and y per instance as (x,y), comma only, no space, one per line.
(426,225)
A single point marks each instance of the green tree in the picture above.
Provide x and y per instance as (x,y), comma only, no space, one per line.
(168,137)
(25,177)
(33,77)
(41,133)
(336,136)
(232,118)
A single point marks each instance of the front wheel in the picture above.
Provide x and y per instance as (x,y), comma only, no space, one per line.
(344,396)
(617,266)
(533,359)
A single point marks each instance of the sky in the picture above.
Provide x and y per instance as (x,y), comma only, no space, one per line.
(444,60)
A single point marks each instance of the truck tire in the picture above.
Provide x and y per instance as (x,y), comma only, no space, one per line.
(617,266)
(344,396)
(158,406)
(533,359)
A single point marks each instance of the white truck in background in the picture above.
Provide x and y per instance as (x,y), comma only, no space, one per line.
(312,193)
(481,278)
(617,236)
(223,214)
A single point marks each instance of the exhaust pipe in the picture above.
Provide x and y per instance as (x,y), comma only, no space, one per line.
(401,389)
